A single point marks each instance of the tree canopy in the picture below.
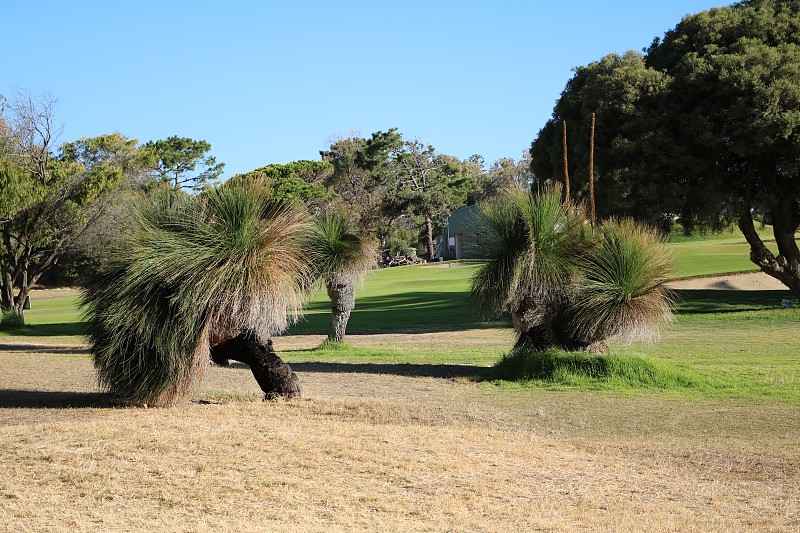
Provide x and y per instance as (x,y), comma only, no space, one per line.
(704,128)
(298,181)
(174,160)
(51,194)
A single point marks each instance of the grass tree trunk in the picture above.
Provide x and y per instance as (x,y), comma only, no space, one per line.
(273,375)
(342,292)
(541,325)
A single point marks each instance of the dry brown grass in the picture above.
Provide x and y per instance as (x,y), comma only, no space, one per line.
(383,452)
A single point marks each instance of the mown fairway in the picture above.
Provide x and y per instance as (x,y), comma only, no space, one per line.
(394,434)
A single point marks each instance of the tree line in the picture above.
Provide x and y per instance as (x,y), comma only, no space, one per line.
(62,203)
(701,130)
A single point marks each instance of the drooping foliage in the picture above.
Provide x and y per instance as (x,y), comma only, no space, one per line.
(341,255)
(565,285)
(535,242)
(336,247)
(621,292)
(185,270)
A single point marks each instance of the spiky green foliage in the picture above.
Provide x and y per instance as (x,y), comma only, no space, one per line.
(341,255)
(338,249)
(535,241)
(621,292)
(564,285)
(220,263)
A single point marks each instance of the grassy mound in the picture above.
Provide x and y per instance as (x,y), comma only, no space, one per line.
(559,369)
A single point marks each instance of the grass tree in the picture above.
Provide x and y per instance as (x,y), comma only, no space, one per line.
(224,265)
(564,285)
(341,256)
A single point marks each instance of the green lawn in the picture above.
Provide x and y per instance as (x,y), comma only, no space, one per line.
(711,257)
(716,253)
(727,344)
(403,299)
(418,298)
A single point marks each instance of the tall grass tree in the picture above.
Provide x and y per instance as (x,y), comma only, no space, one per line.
(564,285)
(188,274)
(341,255)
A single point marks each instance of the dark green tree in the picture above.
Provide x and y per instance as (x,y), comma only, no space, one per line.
(298,181)
(175,159)
(733,108)
(704,128)
(621,90)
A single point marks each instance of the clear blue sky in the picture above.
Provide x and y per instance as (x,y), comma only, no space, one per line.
(270,82)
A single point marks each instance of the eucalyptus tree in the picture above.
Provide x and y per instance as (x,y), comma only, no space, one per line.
(51,194)
(427,186)
(362,171)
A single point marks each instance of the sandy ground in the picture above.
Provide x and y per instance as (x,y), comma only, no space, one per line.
(752,281)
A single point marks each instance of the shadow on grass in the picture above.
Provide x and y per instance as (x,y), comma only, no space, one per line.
(65,350)
(702,301)
(395,369)
(49,330)
(409,312)
(53,399)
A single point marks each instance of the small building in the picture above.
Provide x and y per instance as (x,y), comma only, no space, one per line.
(466,235)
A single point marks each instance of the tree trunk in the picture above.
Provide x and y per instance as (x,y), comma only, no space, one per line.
(786,266)
(541,324)
(342,292)
(429,238)
(273,375)
(7,297)
(9,301)
(8,290)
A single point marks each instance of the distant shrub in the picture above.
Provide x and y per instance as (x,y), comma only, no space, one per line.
(10,320)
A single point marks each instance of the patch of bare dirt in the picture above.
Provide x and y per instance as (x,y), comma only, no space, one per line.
(441,339)
(751,281)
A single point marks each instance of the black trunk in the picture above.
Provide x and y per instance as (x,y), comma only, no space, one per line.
(786,266)
(273,375)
